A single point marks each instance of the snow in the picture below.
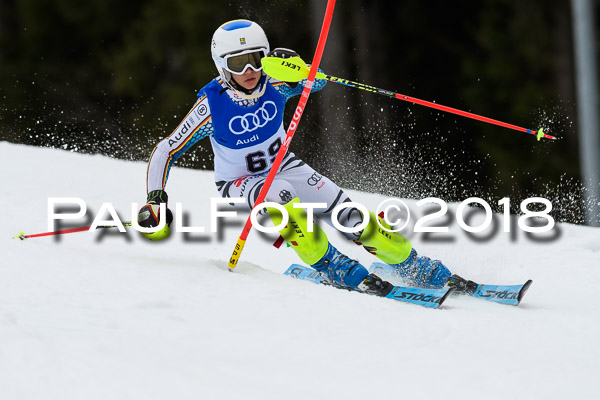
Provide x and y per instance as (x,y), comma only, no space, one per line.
(107,315)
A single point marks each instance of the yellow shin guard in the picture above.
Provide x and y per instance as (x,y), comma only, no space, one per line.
(310,246)
(389,247)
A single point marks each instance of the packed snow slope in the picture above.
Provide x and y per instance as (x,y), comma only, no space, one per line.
(108,315)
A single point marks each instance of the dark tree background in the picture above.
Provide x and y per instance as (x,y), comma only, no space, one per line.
(114,77)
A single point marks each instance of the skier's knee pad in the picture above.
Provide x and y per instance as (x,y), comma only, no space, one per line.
(310,246)
(390,247)
(423,271)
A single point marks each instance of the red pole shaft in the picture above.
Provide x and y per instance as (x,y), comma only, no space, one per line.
(65,231)
(466,114)
(85,228)
(430,104)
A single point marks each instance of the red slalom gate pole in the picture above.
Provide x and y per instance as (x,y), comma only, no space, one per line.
(239,246)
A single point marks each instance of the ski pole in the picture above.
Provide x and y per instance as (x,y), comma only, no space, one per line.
(23,236)
(294,69)
(311,73)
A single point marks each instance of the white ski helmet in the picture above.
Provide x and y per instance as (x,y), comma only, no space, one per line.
(236,38)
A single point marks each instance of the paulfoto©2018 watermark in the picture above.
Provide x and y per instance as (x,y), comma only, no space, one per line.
(394,212)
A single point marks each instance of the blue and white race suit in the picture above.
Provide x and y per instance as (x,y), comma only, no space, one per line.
(245,136)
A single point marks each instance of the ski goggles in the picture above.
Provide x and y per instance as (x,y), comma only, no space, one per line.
(238,63)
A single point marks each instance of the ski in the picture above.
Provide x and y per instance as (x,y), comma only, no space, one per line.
(431,298)
(503,294)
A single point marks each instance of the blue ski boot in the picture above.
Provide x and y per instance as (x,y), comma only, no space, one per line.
(394,249)
(422,271)
(339,269)
(342,271)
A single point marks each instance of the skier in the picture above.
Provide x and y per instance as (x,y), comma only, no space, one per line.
(241,111)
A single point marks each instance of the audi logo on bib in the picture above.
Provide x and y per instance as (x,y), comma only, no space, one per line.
(250,122)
